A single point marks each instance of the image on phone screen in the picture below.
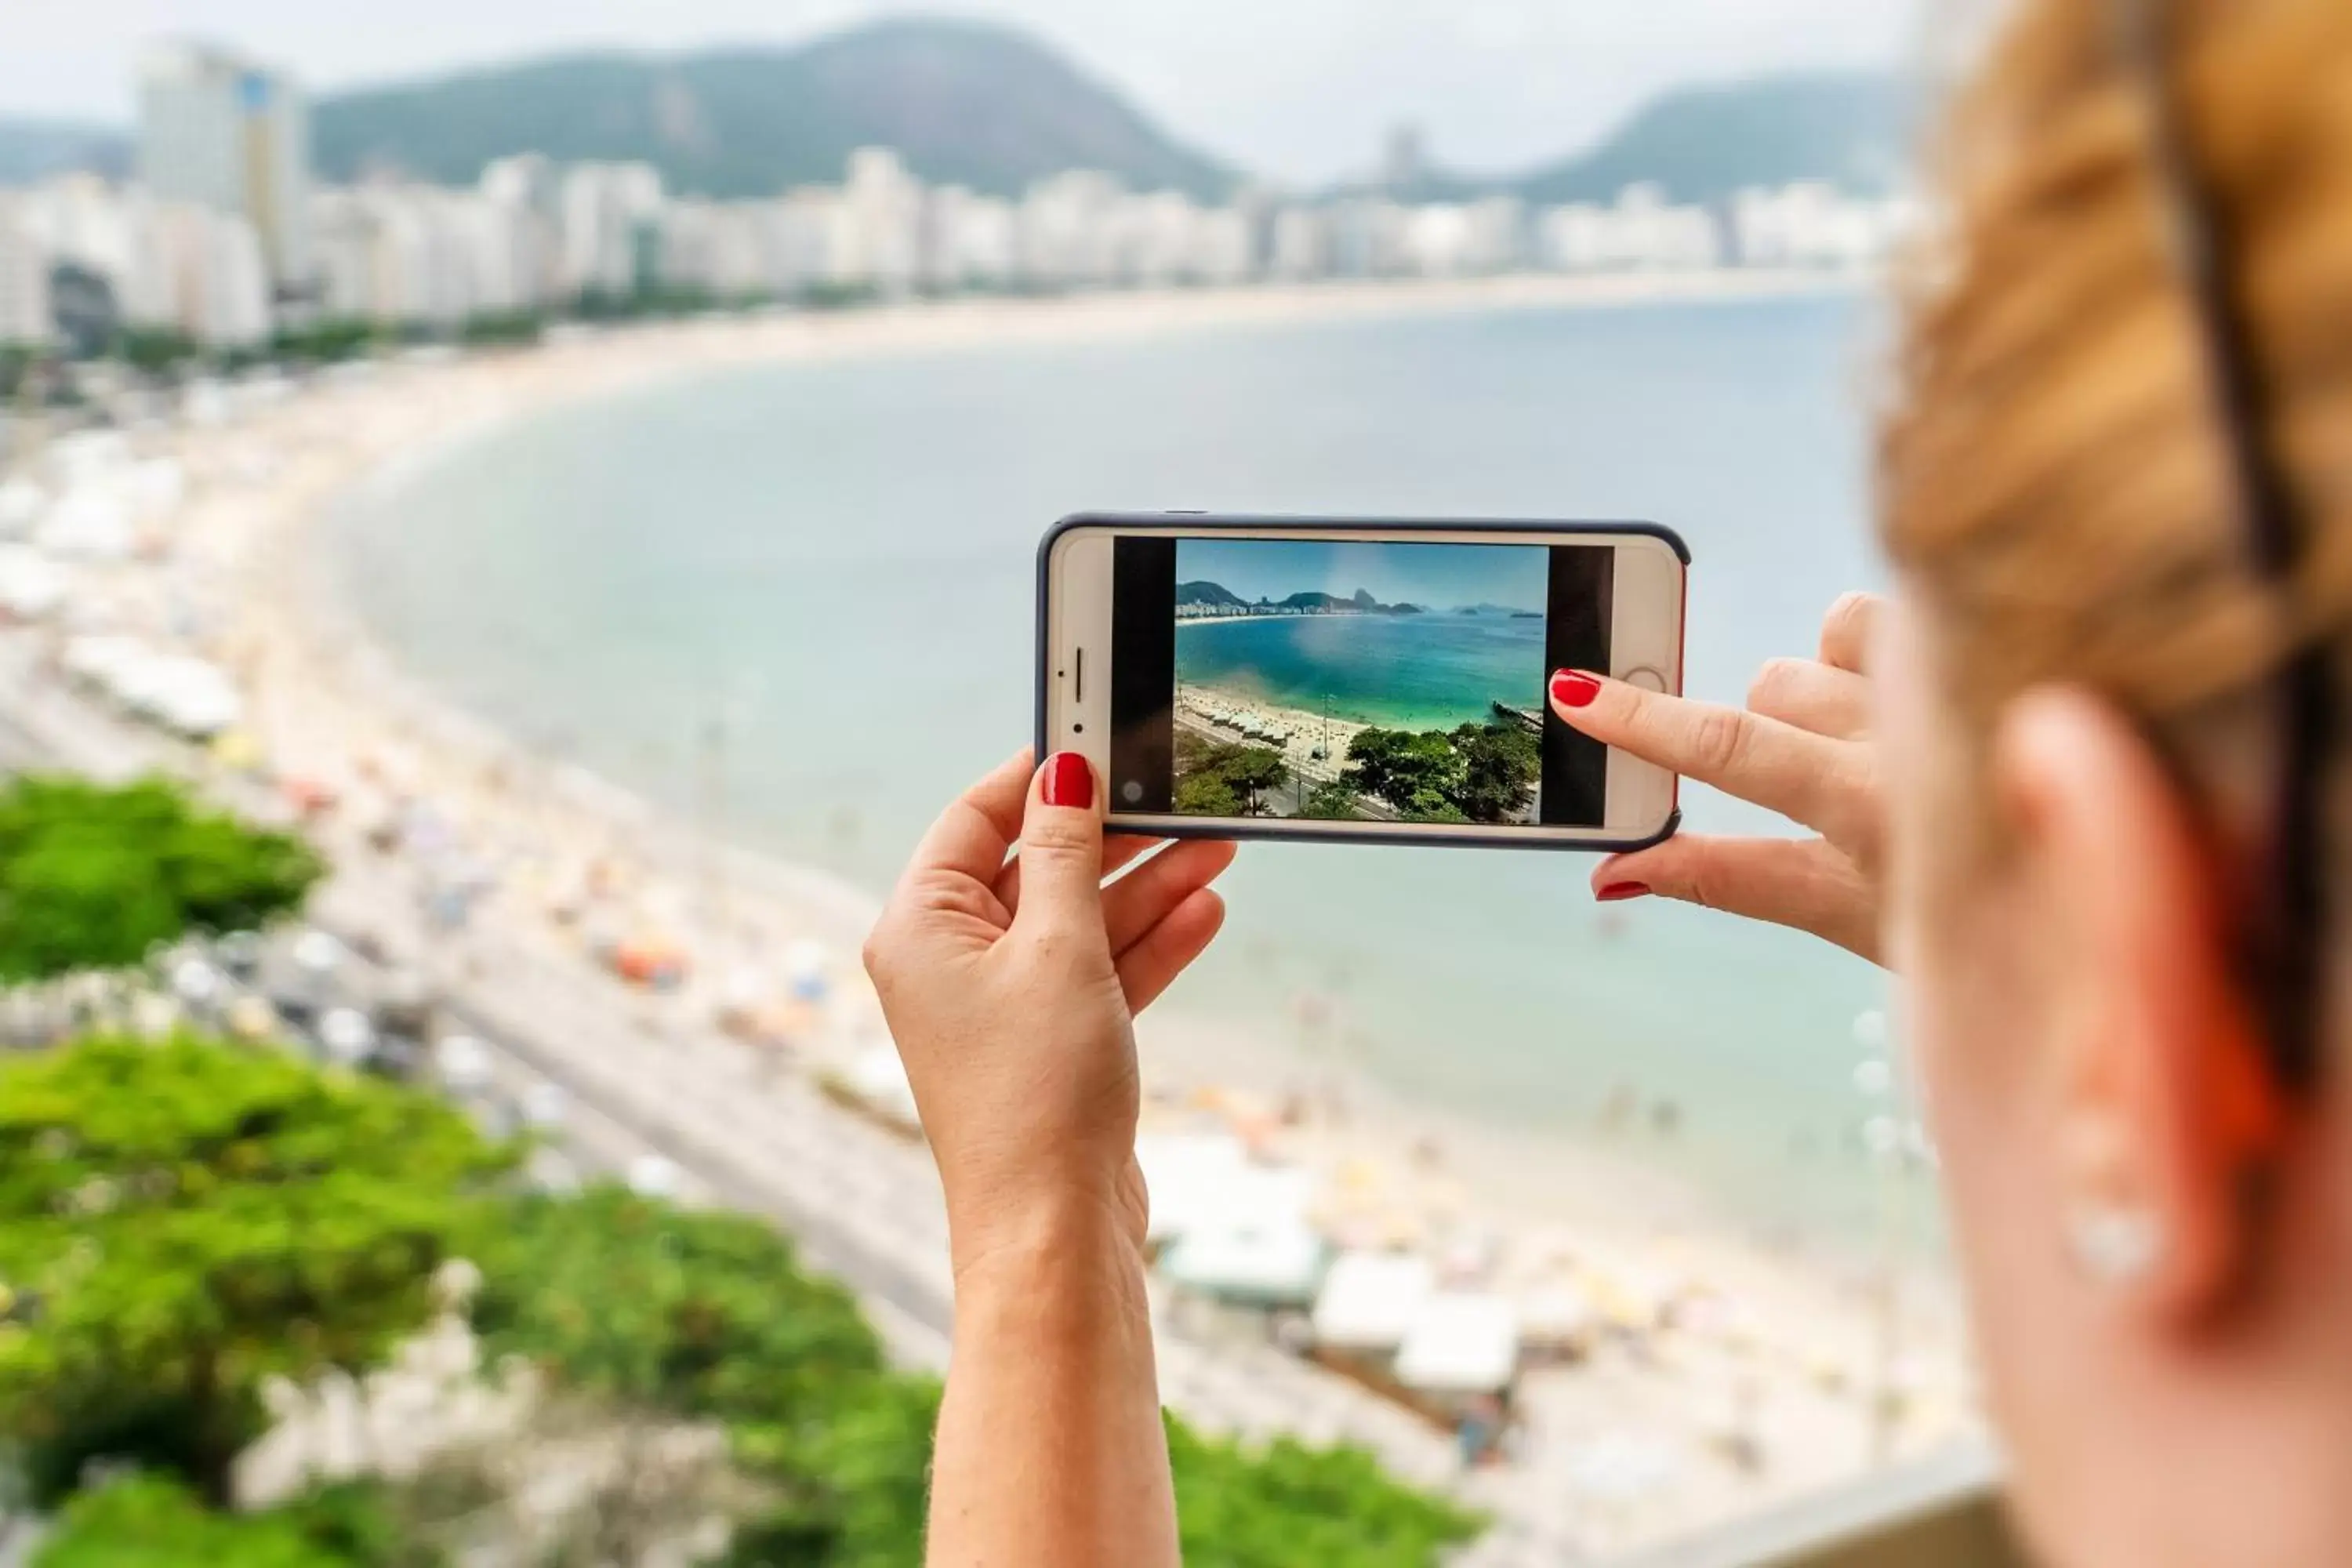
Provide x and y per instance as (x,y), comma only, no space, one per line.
(1353,680)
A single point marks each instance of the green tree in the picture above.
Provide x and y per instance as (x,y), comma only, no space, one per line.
(711,1316)
(153,350)
(327,342)
(1334,800)
(1218,779)
(1284,1504)
(875,1458)
(703,1314)
(1206,794)
(93,875)
(181,1222)
(1502,764)
(151,1521)
(502,328)
(1419,776)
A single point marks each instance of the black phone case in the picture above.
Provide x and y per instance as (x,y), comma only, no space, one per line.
(1184,523)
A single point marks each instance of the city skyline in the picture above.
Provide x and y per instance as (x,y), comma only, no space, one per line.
(1495,85)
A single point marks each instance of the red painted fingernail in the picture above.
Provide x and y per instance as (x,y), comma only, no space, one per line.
(1574,689)
(1620,892)
(1069,782)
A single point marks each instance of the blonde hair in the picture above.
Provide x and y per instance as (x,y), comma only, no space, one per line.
(2053,480)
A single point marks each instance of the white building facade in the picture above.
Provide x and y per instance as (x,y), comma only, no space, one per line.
(220,131)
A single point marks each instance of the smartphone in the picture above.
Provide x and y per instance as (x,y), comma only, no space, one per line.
(1370,680)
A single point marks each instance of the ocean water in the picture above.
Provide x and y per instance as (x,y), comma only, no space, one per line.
(838,560)
(1403,672)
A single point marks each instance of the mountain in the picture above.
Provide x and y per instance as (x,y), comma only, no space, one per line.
(33,150)
(1702,143)
(965,103)
(1208,594)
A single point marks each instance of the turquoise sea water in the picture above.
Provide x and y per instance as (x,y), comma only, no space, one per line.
(841,558)
(1404,672)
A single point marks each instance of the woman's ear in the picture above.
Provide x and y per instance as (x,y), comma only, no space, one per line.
(2160,1099)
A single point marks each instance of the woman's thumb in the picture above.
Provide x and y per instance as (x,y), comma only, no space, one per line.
(1062,847)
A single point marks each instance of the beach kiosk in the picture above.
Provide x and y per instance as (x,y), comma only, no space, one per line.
(1371,1303)
(1190,1177)
(1273,1263)
(1460,1364)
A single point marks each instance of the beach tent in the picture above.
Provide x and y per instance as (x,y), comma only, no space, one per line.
(1189,1174)
(1371,1301)
(1277,1261)
(1460,1344)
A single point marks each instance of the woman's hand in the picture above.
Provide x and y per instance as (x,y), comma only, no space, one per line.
(1802,747)
(1012,991)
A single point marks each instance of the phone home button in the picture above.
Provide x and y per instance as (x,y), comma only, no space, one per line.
(1646,678)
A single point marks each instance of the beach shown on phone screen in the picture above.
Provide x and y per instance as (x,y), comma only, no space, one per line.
(1368,682)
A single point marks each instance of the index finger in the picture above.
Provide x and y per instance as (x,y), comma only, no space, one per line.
(973,836)
(1803,776)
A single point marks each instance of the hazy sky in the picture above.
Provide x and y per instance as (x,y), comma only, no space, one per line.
(1296,89)
(1435,576)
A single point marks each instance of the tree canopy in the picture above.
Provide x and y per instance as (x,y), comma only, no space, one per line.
(181,1222)
(1217,778)
(1479,772)
(91,877)
(1417,775)
(1240,1507)
(151,1521)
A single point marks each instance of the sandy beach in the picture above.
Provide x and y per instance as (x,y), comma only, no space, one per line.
(585,868)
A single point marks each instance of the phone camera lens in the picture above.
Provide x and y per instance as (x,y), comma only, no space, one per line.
(1078,729)
(1132,791)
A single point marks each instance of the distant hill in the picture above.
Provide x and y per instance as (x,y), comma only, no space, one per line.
(965,103)
(1702,143)
(1208,594)
(34,150)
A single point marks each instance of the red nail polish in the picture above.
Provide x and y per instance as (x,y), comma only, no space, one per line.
(1070,782)
(1620,892)
(1574,689)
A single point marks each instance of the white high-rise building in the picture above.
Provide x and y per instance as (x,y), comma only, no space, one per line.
(221,133)
(1068,231)
(529,191)
(25,319)
(214,282)
(886,219)
(1302,244)
(612,228)
(970,241)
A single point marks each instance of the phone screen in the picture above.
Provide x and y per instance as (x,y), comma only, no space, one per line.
(1354,680)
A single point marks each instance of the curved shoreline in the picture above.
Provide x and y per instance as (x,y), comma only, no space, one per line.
(296,608)
(326,691)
